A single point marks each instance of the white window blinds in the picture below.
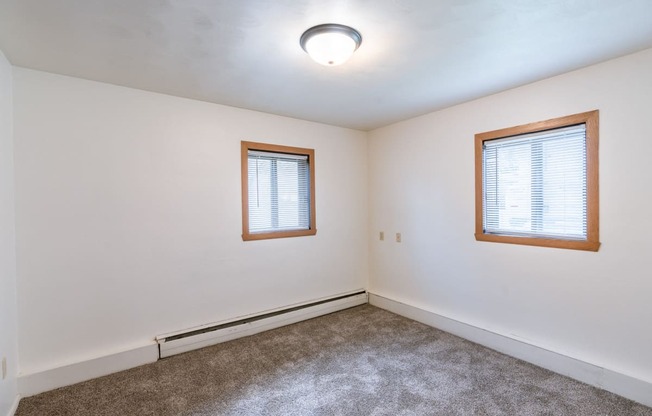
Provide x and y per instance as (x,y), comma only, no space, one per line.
(279,191)
(535,184)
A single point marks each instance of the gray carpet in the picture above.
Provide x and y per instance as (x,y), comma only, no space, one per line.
(362,361)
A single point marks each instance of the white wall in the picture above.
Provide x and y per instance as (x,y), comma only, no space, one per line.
(591,306)
(129,218)
(8,308)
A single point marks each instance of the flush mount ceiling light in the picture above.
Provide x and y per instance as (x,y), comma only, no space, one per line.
(330,44)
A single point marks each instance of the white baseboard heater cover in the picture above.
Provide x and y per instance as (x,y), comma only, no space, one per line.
(179,342)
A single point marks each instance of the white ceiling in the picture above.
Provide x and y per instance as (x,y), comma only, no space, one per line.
(416,55)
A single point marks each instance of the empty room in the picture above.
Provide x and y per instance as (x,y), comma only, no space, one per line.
(325,207)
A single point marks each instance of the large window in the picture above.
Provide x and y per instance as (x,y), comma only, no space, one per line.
(537,184)
(278,191)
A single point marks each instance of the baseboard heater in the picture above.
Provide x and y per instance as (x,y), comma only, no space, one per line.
(210,334)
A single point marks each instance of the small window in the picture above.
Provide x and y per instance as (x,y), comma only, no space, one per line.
(278,191)
(537,184)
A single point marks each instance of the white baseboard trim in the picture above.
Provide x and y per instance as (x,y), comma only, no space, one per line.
(14,407)
(35,383)
(42,381)
(618,383)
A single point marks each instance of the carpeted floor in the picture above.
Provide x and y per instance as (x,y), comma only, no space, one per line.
(362,361)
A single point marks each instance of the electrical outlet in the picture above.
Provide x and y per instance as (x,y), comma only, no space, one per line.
(398,237)
(4,367)
(382,236)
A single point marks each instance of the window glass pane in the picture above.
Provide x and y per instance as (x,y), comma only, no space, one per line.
(279,197)
(288,194)
(260,194)
(535,184)
(564,188)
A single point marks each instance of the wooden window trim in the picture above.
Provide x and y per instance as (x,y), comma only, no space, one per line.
(592,242)
(244,163)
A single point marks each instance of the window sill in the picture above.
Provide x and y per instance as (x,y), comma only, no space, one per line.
(540,242)
(277,234)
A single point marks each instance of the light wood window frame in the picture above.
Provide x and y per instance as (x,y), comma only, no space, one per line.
(273,148)
(592,242)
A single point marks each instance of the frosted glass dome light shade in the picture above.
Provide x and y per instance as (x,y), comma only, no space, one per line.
(330,44)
